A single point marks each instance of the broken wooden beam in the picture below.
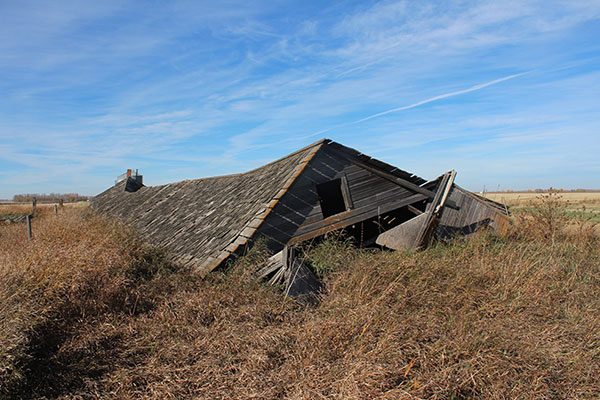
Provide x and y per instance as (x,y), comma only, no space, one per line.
(347,218)
(449,183)
(390,177)
(273,264)
(414,210)
(430,220)
(403,236)
(416,232)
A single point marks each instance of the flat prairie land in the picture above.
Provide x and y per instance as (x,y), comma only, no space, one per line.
(516,198)
(582,205)
(10,209)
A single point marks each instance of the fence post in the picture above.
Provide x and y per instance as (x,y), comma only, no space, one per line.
(55,209)
(29,234)
(33,205)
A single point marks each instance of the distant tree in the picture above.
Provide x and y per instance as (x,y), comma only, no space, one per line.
(50,198)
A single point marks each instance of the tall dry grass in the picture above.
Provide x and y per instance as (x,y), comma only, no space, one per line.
(76,274)
(486,318)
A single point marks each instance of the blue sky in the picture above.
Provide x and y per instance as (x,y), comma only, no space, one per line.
(507,93)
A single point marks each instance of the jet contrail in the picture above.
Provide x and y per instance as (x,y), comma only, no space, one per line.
(442,96)
(420,103)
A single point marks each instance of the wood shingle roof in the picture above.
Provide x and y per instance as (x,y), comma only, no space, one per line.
(203,221)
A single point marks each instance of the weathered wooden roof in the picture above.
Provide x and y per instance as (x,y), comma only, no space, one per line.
(204,221)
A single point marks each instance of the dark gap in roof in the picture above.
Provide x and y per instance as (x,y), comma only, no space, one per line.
(331,197)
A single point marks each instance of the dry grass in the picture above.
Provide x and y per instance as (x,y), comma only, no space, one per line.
(89,312)
(575,202)
(74,275)
(516,198)
(14,209)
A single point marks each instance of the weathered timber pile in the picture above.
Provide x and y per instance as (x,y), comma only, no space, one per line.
(321,188)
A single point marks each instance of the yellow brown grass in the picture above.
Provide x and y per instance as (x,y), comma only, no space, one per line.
(486,318)
(74,271)
(520,198)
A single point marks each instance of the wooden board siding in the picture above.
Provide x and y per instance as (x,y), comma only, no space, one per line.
(204,221)
(474,212)
(299,208)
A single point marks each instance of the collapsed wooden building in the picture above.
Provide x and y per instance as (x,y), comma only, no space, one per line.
(321,188)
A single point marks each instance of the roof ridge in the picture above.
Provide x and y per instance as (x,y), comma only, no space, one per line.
(317,143)
(240,174)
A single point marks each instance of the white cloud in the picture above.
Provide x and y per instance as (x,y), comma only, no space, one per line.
(232,84)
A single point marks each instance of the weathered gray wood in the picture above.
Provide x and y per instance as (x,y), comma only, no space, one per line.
(414,210)
(448,186)
(430,220)
(475,212)
(29,233)
(273,264)
(204,221)
(200,220)
(389,176)
(376,163)
(404,236)
(347,218)
(55,209)
(346,193)
(278,278)
(33,205)
(302,284)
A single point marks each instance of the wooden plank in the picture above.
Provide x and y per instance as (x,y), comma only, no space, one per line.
(389,195)
(313,218)
(328,166)
(448,187)
(356,173)
(273,263)
(278,277)
(373,188)
(278,233)
(284,208)
(296,201)
(404,236)
(347,218)
(389,176)
(332,160)
(321,174)
(346,193)
(414,210)
(285,220)
(430,219)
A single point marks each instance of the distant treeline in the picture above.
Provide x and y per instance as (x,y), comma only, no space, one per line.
(551,190)
(50,198)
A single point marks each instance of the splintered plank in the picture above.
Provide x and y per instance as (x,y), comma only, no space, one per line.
(350,217)
(387,175)
(273,264)
(405,235)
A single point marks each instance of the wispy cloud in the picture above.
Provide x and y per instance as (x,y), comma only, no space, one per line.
(440,97)
(215,88)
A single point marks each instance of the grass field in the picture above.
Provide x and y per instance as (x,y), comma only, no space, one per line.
(9,209)
(89,311)
(576,204)
(516,198)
